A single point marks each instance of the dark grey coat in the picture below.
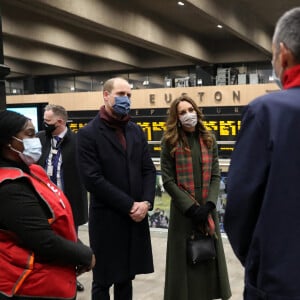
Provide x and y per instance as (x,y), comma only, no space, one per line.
(116,178)
(73,187)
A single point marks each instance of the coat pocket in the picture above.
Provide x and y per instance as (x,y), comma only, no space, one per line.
(253,293)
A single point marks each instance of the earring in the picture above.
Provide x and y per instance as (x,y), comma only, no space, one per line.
(178,124)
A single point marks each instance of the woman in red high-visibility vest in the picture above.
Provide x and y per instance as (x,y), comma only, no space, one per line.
(40,255)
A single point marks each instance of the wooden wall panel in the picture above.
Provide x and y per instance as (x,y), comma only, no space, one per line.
(207,96)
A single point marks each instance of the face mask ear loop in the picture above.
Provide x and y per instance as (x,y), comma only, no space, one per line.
(17,139)
(13,149)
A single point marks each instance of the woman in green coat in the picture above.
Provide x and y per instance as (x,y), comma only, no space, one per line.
(191,176)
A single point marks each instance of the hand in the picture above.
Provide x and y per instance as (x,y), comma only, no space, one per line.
(82,269)
(93,262)
(134,207)
(138,211)
(199,214)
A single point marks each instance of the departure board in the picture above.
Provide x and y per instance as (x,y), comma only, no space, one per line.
(224,122)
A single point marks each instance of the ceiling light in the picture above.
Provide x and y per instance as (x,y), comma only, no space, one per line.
(219,26)
(180,3)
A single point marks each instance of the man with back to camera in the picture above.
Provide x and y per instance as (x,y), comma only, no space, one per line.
(59,160)
(118,172)
(262,213)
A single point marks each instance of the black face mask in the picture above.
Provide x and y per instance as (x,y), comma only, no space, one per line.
(49,128)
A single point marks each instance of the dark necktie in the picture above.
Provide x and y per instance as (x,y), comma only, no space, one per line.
(55,159)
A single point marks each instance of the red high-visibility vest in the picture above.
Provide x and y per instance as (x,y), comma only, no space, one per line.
(20,273)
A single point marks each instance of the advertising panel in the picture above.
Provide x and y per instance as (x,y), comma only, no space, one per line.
(33,111)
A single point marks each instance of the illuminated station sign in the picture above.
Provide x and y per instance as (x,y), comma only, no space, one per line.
(225,122)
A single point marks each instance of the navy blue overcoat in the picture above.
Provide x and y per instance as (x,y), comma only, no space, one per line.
(115,179)
(262,214)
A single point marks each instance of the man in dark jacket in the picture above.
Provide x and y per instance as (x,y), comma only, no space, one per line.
(262,213)
(59,160)
(118,172)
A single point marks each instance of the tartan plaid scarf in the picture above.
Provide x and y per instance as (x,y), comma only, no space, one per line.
(184,170)
(185,176)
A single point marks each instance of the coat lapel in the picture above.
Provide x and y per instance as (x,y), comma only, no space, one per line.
(110,135)
(129,139)
(46,145)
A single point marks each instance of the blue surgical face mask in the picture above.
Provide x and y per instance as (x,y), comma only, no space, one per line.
(276,79)
(122,105)
(32,150)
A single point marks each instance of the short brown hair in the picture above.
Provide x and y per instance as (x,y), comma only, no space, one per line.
(58,111)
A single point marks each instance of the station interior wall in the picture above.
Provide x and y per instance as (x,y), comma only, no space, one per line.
(206,96)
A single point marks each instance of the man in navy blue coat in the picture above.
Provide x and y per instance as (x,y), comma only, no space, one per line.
(118,172)
(262,214)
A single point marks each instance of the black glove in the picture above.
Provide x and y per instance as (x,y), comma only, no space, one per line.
(210,205)
(199,214)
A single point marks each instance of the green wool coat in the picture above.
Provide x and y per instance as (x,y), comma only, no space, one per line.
(207,280)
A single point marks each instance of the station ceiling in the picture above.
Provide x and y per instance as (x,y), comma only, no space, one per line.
(52,37)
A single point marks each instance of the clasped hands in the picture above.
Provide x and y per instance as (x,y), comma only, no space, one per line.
(199,214)
(139,211)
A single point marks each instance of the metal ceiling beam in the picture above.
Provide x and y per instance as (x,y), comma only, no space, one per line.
(127,25)
(238,20)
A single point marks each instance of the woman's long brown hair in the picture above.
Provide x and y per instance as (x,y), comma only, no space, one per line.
(175,134)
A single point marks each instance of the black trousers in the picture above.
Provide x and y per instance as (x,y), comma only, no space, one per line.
(122,291)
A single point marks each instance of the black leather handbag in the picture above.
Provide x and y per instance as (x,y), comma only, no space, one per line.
(200,248)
